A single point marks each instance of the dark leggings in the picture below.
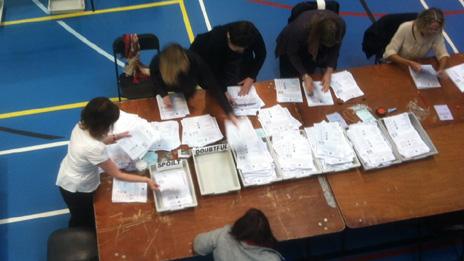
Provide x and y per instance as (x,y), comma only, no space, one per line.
(80,205)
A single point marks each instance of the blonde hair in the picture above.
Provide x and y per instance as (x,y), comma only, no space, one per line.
(428,17)
(173,61)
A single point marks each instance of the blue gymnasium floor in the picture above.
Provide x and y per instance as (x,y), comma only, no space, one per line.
(50,65)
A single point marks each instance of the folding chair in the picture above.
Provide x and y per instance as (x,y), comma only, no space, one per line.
(299,8)
(126,88)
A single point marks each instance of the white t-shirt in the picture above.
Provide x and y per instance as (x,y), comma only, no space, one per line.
(78,170)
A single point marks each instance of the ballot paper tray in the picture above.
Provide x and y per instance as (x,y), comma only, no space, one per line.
(65,6)
(215,169)
(176,191)
(422,133)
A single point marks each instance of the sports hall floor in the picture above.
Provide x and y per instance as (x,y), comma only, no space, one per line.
(51,65)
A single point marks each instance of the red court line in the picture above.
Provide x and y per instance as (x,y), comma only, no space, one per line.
(342,13)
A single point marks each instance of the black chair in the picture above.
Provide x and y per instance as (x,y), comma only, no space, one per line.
(72,244)
(379,34)
(126,88)
(312,5)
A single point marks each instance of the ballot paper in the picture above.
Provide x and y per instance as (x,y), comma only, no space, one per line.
(253,158)
(276,119)
(169,139)
(372,147)
(200,131)
(288,90)
(318,97)
(344,86)
(173,188)
(456,74)
(293,154)
(179,107)
(246,104)
(331,147)
(141,138)
(125,192)
(443,111)
(406,138)
(426,78)
(336,117)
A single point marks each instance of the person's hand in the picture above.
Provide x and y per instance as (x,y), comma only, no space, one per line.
(233,119)
(167,101)
(417,67)
(121,135)
(326,81)
(229,98)
(442,74)
(308,84)
(246,86)
(152,184)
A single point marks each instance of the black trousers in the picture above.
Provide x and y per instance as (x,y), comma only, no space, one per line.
(80,206)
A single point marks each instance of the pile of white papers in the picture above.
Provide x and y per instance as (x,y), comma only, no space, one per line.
(331,147)
(277,119)
(170,138)
(288,90)
(294,155)
(456,74)
(200,131)
(318,97)
(344,86)
(371,145)
(426,78)
(179,107)
(124,191)
(173,188)
(336,117)
(253,159)
(247,104)
(406,138)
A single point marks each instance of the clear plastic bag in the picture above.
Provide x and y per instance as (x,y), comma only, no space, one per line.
(418,111)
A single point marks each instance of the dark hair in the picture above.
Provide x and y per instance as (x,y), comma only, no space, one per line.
(242,34)
(254,227)
(98,116)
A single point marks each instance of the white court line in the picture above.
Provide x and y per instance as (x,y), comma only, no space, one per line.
(462,2)
(205,15)
(80,36)
(447,38)
(34,216)
(35,147)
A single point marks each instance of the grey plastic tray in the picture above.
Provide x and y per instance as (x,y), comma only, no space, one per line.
(65,6)
(215,169)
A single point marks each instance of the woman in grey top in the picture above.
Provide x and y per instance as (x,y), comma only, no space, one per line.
(249,238)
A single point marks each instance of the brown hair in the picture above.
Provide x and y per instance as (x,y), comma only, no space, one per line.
(254,227)
(323,31)
(173,61)
(98,116)
(428,17)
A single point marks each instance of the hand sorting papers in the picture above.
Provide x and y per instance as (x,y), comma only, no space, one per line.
(456,74)
(170,138)
(406,138)
(318,97)
(200,131)
(344,86)
(288,90)
(247,104)
(276,119)
(426,78)
(124,191)
(179,107)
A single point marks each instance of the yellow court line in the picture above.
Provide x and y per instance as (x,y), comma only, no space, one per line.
(188,26)
(47,109)
(87,13)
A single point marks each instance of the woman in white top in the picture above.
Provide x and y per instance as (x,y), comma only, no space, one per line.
(414,39)
(78,177)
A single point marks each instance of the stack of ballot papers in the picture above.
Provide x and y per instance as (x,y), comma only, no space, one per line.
(406,138)
(247,104)
(426,78)
(125,192)
(371,145)
(200,131)
(179,107)
(344,86)
(174,188)
(456,74)
(252,156)
(288,90)
(170,138)
(318,97)
(331,147)
(276,119)
(293,154)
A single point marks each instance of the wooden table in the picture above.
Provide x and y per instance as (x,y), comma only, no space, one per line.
(296,209)
(409,190)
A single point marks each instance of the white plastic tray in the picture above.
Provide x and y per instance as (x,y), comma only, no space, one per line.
(166,167)
(65,6)
(215,169)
